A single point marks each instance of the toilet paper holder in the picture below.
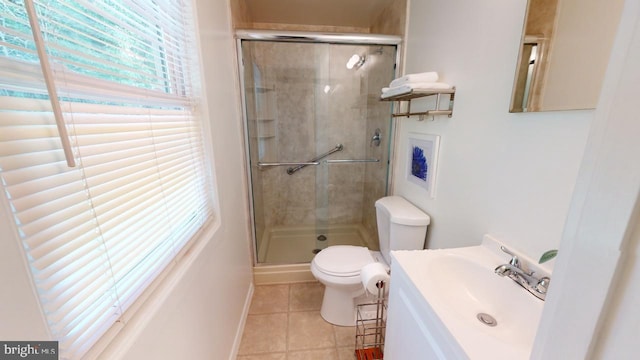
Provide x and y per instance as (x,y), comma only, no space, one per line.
(370,326)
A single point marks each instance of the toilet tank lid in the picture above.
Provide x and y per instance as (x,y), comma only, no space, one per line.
(402,211)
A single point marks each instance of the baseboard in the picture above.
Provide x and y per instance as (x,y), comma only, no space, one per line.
(282,274)
(243,321)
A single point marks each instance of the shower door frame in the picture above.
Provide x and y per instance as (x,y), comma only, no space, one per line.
(306,37)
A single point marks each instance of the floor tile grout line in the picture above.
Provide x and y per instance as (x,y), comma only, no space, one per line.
(335,339)
(288,321)
(290,288)
(286,340)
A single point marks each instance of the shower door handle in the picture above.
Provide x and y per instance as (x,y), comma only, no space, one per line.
(315,160)
(346,161)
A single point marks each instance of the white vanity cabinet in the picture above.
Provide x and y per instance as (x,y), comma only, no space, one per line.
(413,330)
(451,304)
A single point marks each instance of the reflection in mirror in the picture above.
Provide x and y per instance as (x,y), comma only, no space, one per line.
(564,53)
(529,72)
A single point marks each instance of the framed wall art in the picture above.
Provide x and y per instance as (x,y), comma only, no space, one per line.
(422,161)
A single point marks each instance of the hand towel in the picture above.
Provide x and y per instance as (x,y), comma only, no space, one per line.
(403,89)
(425,77)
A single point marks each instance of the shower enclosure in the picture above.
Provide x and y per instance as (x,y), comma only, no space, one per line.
(318,139)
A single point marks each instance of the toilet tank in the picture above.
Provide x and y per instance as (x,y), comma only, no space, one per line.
(401,225)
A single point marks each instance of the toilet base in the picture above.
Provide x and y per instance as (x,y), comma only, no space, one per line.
(339,306)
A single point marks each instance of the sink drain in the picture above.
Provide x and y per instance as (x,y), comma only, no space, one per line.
(487,319)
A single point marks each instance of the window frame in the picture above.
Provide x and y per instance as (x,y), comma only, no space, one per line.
(152,296)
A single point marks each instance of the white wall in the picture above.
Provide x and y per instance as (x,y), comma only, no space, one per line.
(199,314)
(510,175)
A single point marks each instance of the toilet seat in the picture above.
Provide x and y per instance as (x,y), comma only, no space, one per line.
(401,226)
(343,260)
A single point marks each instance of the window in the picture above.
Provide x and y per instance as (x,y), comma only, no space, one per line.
(96,235)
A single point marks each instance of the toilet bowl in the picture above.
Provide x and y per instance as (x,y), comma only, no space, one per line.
(401,226)
(338,269)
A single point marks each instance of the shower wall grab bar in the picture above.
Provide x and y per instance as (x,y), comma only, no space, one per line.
(315,160)
(351,161)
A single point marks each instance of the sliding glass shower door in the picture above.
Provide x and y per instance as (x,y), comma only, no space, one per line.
(318,143)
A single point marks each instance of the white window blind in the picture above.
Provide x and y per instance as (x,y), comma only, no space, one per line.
(98,234)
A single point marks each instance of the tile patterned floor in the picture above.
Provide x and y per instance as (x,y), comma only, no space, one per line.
(284,323)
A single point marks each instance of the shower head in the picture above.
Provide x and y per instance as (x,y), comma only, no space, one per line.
(356,61)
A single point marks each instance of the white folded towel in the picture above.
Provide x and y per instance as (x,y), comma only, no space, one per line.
(424,86)
(425,77)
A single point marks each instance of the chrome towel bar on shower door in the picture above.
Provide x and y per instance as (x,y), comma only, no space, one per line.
(315,161)
(345,161)
(261,164)
(339,161)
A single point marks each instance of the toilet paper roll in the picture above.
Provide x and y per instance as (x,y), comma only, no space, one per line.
(371,274)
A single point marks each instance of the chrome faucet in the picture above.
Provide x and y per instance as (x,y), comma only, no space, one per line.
(537,286)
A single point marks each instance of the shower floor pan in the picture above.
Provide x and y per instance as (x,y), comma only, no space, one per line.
(298,244)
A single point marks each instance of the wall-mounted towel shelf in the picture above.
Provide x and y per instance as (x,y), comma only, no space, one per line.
(414,94)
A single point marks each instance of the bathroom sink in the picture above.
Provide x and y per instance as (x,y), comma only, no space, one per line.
(464,288)
(488,315)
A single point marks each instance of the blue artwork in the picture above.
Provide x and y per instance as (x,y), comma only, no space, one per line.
(422,161)
(419,164)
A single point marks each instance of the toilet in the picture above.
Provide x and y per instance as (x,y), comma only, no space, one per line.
(401,226)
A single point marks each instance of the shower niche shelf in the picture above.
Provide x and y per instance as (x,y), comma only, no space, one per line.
(415,94)
(262,118)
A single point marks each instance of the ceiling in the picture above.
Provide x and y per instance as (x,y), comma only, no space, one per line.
(352,13)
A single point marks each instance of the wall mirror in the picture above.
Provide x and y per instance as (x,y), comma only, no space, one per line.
(564,53)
